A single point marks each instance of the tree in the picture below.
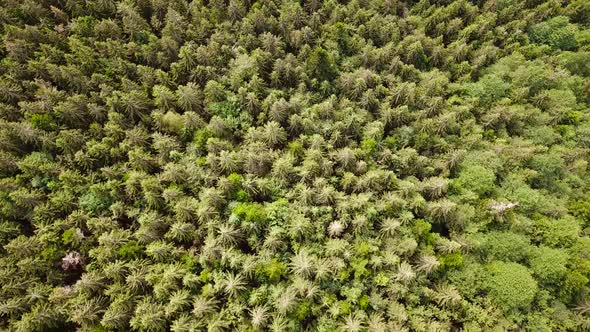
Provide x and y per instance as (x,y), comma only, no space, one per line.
(302,264)
(510,285)
(320,65)
(549,265)
(556,233)
(557,32)
(506,246)
(163,97)
(149,317)
(282,165)
(189,97)
(477,179)
(274,134)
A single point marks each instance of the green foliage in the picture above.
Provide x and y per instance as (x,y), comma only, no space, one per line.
(549,265)
(250,212)
(320,65)
(469,280)
(381,279)
(516,190)
(294,166)
(549,168)
(338,32)
(369,145)
(200,139)
(510,285)
(83,26)
(130,250)
(556,232)
(272,271)
(477,179)
(577,63)
(421,230)
(235,179)
(359,268)
(581,210)
(557,32)
(490,88)
(43,121)
(302,311)
(52,253)
(97,199)
(451,261)
(506,246)
(72,236)
(242,196)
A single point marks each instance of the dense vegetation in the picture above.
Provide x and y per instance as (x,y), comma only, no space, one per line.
(294,166)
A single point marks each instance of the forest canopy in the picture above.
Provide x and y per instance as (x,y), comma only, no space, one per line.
(276,165)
